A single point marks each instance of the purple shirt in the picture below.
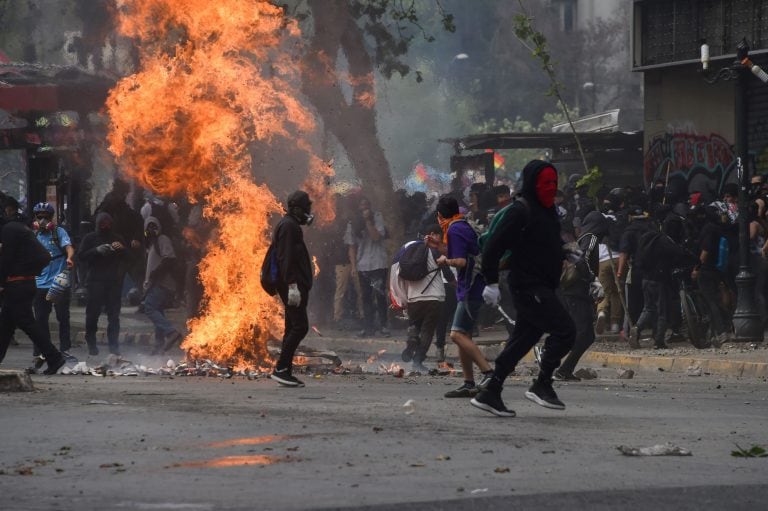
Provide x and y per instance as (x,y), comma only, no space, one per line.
(462,244)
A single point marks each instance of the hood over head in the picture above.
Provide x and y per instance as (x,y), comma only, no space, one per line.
(531,174)
(104,222)
(153,220)
(595,223)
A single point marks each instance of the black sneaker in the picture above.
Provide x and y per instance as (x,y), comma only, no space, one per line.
(491,402)
(634,338)
(544,395)
(563,376)
(408,352)
(485,380)
(53,367)
(285,378)
(172,341)
(466,390)
(38,362)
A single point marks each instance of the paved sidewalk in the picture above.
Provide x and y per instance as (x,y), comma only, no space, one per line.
(737,359)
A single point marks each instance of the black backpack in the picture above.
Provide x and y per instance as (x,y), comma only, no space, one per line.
(39,257)
(643,259)
(414,262)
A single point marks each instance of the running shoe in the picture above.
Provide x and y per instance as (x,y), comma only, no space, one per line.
(491,402)
(544,395)
(466,390)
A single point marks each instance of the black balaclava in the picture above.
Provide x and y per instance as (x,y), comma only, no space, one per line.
(300,207)
(104,223)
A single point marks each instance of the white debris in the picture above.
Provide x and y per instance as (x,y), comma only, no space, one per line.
(668,449)
(409,407)
(693,371)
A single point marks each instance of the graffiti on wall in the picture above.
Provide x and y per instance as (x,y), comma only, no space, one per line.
(704,161)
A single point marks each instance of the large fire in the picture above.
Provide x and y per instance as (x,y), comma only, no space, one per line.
(215,76)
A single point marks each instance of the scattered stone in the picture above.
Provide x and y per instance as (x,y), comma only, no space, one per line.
(15,381)
(501,470)
(586,373)
(625,374)
(693,371)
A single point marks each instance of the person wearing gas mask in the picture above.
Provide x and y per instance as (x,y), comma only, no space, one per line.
(160,285)
(20,261)
(294,282)
(102,252)
(56,240)
(531,233)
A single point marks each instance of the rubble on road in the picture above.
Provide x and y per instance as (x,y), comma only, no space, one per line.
(586,373)
(667,449)
(693,371)
(625,374)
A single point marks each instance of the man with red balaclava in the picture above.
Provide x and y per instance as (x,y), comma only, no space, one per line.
(530,231)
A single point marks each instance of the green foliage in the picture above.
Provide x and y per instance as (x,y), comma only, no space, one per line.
(754,452)
(593,180)
(536,42)
(393,25)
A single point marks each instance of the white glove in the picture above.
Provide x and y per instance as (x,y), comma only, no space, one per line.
(492,295)
(596,290)
(294,295)
(104,249)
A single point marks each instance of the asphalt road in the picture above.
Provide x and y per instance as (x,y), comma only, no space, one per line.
(193,443)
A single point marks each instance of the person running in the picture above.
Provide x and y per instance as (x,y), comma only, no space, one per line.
(530,230)
(459,249)
(293,283)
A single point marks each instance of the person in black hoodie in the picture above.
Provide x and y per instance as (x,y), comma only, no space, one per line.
(658,253)
(531,232)
(102,253)
(293,283)
(581,290)
(17,287)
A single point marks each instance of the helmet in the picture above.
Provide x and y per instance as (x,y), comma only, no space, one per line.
(43,207)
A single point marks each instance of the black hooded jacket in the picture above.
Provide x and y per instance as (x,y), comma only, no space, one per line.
(293,260)
(531,234)
(101,267)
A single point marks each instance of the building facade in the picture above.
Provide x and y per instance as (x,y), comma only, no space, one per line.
(690,124)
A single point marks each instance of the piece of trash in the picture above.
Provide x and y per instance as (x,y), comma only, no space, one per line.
(501,470)
(408,407)
(668,449)
(478,490)
(377,429)
(98,402)
(586,373)
(170,364)
(314,329)
(693,371)
(625,374)
(443,457)
(417,465)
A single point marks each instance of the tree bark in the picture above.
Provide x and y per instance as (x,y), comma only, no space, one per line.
(353,123)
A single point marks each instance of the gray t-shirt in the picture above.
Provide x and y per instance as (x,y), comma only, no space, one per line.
(371,255)
(158,251)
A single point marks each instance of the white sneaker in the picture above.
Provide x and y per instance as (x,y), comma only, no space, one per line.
(600,324)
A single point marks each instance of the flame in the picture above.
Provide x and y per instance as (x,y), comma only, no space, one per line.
(214,78)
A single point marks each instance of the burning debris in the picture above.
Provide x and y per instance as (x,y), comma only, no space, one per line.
(212,89)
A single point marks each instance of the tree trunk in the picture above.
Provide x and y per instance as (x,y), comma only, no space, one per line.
(353,124)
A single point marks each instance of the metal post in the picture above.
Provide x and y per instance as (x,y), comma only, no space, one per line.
(746,321)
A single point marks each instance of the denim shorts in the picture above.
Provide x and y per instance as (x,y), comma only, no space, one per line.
(465,317)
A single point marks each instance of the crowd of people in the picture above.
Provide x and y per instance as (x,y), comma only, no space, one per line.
(133,256)
(540,259)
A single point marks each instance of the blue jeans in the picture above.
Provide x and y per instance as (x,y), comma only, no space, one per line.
(156,301)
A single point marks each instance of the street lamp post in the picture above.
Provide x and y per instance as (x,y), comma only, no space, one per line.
(746,320)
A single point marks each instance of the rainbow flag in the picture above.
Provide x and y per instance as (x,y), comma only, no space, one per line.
(498,160)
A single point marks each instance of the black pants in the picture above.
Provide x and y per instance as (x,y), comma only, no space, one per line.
(103,296)
(582,311)
(709,285)
(423,320)
(296,328)
(373,291)
(17,298)
(446,315)
(43,312)
(655,309)
(539,311)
